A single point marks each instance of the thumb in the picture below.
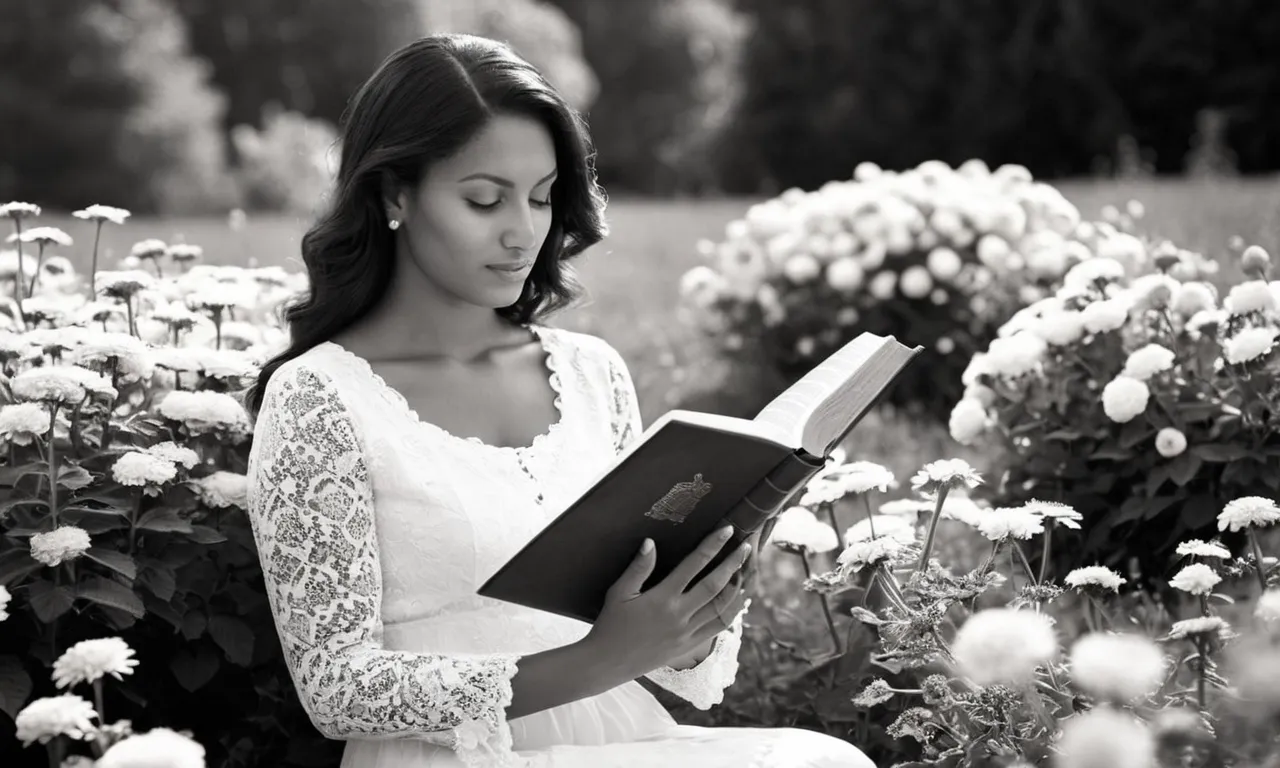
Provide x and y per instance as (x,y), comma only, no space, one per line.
(632,580)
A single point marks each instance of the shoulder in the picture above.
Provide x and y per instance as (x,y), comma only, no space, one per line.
(314,376)
(586,350)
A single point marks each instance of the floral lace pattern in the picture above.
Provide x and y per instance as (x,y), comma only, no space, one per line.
(311,508)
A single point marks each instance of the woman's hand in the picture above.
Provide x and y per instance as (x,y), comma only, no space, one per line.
(641,631)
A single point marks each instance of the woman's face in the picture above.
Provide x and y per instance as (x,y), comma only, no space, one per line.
(477,221)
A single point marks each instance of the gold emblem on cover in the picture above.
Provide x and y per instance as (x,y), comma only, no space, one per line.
(678,503)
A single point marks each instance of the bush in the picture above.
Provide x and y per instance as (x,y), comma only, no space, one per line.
(1132,395)
(125,444)
(289,165)
(934,256)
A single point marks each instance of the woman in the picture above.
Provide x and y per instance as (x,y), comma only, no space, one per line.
(421,428)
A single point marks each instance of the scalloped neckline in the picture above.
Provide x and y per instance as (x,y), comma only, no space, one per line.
(545,339)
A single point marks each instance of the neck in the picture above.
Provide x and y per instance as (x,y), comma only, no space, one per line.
(416,319)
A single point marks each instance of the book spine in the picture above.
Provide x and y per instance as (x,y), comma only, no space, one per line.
(760,506)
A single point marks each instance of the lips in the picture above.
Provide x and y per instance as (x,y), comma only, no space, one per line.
(518,266)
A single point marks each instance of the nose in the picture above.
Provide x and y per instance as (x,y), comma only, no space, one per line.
(520,232)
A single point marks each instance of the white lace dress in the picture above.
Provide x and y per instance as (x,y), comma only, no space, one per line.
(375,529)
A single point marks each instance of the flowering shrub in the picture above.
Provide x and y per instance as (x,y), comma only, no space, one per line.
(935,256)
(1140,397)
(1001,665)
(124,447)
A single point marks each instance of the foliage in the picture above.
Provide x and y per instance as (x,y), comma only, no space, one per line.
(1056,85)
(288,165)
(1135,395)
(123,489)
(103,100)
(934,256)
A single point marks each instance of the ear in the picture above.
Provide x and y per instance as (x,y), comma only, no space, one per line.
(395,197)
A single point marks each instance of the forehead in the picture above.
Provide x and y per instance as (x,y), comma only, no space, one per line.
(513,147)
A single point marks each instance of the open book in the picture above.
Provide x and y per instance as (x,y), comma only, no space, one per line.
(688,474)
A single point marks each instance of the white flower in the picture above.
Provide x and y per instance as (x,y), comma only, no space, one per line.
(157,748)
(181,252)
(1253,296)
(178,454)
(137,468)
(1060,328)
(1015,355)
(798,527)
(124,284)
(17,210)
(1004,645)
(1191,298)
(1106,315)
(801,268)
(46,235)
(88,660)
(45,719)
(49,384)
(1197,548)
(863,476)
(1092,271)
(876,692)
(968,421)
(845,274)
(130,354)
(1147,361)
(1170,442)
(944,263)
(5,597)
(1248,511)
(867,553)
(1063,514)
(1098,576)
(946,473)
(1249,344)
(1200,625)
(102,213)
(1267,609)
(1124,398)
(228,489)
(1106,738)
(151,248)
(21,423)
(1197,579)
(916,282)
(205,411)
(1009,522)
(1120,667)
(890,526)
(63,543)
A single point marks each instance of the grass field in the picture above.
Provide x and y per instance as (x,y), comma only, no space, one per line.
(632,277)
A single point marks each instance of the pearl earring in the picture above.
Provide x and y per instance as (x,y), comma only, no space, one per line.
(394,223)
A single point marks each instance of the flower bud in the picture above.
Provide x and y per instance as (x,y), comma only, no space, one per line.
(1255,259)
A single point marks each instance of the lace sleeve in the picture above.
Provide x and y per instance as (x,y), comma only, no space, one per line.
(311,508)
(702,685)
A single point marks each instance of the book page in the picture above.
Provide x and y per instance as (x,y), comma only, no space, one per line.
(790,411)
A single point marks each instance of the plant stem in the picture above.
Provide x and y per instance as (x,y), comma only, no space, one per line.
(35,276)
(19,279)
(835,524)
(93,264)
(97,700)
(826,607)
(1257,555)
(1044,553)
(1202,668)
(53,467)
(933,528)
(1026,564)
(871,523)
(128,308)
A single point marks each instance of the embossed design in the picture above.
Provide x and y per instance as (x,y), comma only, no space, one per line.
(679,502)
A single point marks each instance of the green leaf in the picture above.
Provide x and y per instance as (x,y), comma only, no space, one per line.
(164,610)
(164,519)
(194,670)
(95,523)
(13,504)
(234,637)
(160,581)
(119,562)
(1135,432)
(102,591)
(1220,452)
(1113,453)
(9,476)
(194,624)
(112,510)
(203,534)
(1184,467)
(74,477)
(16,563)
(15,685)
(49,601)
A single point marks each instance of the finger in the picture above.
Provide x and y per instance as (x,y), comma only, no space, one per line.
(717,623)
(689,568)
(720,576)
(721,609)
(632,580)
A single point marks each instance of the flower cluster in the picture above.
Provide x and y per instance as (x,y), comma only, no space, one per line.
(124,439)
(1005,660)
(934,255)
(1134,394)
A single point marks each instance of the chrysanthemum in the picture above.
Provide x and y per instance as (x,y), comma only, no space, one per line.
(1170,442)
(1196,579)
(63,543)
(1003,645)
(228,489)
(1268,607)
(800,529)
(946,473)
(1120,667)
(1145,362)
(1124,397)
(178,454)
(1249,344)
(868,553)
(1197,548)
(157,748)
(876,692)
(89,660)
(1010,523)
(1062,514)
(1207,626)
(47,718)
(137,468)
(1097,577)
(20,423)
(1248,512)
(1106,737)
(102,213)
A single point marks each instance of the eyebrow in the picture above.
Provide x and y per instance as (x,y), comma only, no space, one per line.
(506,182)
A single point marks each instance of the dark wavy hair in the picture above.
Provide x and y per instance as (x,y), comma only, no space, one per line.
(423,104)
